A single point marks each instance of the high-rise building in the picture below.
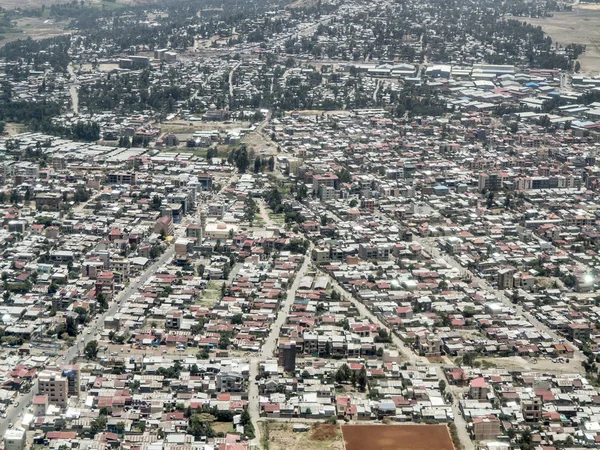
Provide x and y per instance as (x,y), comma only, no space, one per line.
(53,383)
(287,356)
(71,373)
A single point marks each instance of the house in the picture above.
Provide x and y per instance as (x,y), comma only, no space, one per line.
(485,428)
(479,389)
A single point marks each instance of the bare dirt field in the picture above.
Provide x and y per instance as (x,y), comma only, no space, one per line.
(581,26)
(519,363)
(319,437)
(397,437)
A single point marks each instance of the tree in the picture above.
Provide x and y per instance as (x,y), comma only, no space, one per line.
(98,425)
(224,341)
(71,326)
(362,379)
(383,336)
(91,349)
(102,300)
(156,203)
(246,421)
(237,319)
(526,442)
(241,159)
(442,386)
(120,427)
(343,374)
(200,425)
(490,200)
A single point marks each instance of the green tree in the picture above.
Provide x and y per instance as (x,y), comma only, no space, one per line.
(102,300)
(98,425)
(71,326)
(91,349)
(201,425)
(362,379)
(225,341)
(442,386)
(237,319)
(120,427)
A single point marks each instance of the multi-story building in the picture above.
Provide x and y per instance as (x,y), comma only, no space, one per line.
(325,180)
(71,373)
(55,385)
(479,389)
(120,178)
(485,428)
(287,356)
(532,410)
(50,201)
(14,439)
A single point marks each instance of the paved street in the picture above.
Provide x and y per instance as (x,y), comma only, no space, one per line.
(268,347)
(71,353)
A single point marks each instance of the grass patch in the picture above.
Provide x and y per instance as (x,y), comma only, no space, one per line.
(213,285)
(211,294)
(223,427)
(279,219)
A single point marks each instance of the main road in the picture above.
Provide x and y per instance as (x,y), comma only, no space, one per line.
(429,244)
(268,348)
(67,356)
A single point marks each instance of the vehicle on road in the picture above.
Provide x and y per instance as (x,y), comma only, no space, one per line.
(10,425)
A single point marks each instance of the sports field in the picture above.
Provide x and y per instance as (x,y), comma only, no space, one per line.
(397,437)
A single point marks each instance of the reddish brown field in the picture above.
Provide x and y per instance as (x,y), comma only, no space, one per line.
(397,437)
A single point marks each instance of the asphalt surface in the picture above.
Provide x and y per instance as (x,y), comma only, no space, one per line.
(268,348)
(67,356)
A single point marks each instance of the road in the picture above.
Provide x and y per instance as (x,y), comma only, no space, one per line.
(268,348)
(412,358)
(70,354)
(430,246)
(376,91)
(233,69)
(363,311)
(73,89)
(93,329)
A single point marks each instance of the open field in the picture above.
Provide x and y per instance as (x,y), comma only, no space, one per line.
(397,437)
(319,437)
(34,27)
(581,26)
(223,427)
(519,363)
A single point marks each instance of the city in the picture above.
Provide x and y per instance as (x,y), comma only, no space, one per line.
(312,224)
